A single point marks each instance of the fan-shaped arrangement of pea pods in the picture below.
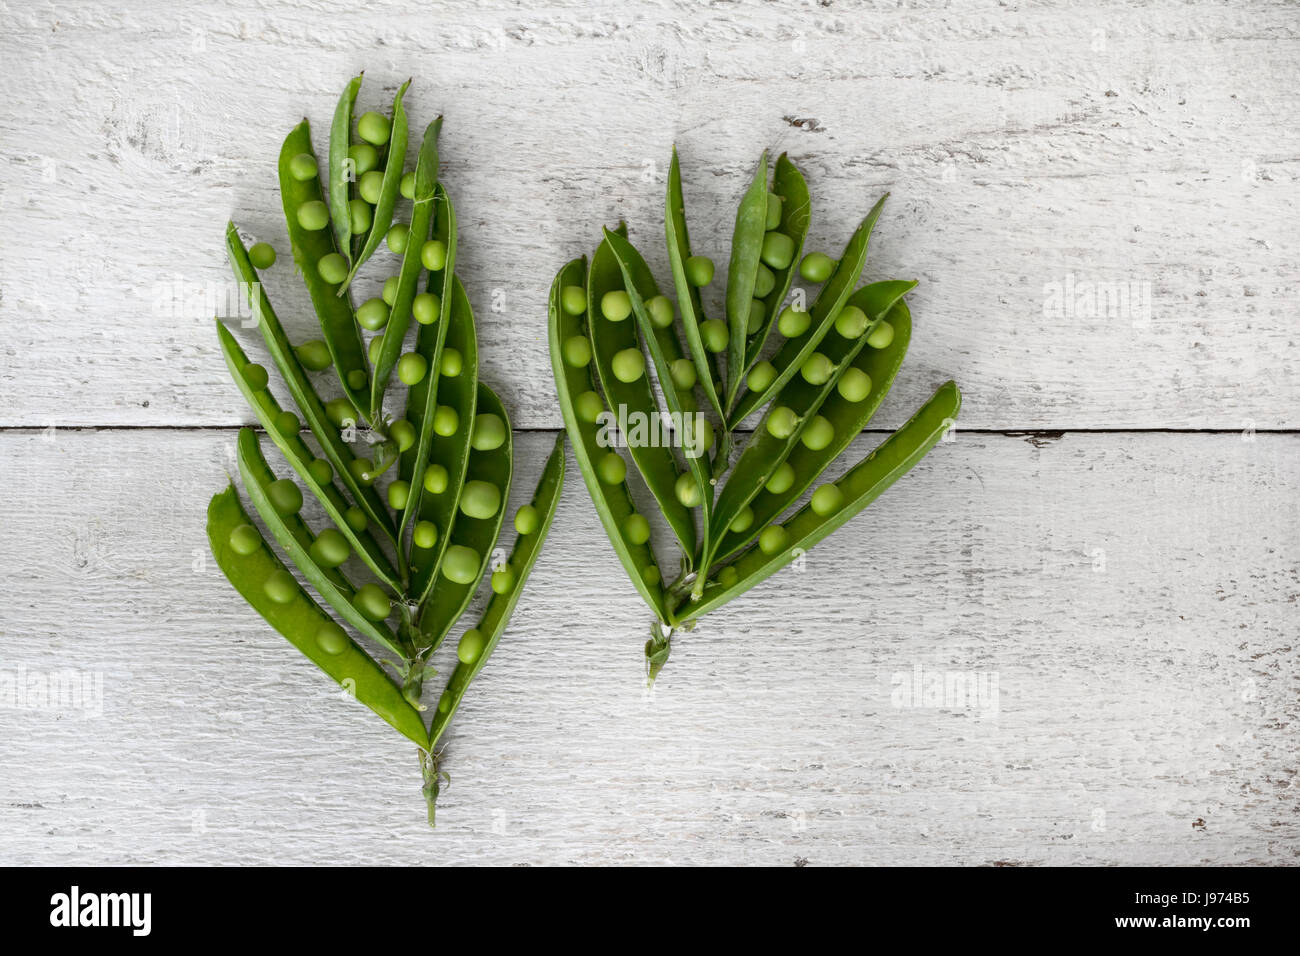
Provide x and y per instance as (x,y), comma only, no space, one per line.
(392,571)
(668,387)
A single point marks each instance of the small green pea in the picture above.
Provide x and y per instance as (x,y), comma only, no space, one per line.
(773,211)
(374,128)
(827,500)
(781,422)
(433,255)
(661,311)
(527,520)
(411,368)
(854,385)
(818,433)
(756,314)
(616,305)
(363,471)
(303,167)
(370,185)
(444,702)
(262,255)
(452,362)
(374,348)
(881,336)
(728,576)
(588,407)
(744,518)
(761,376)
(331,638)
(687,490)
(357,379)
(372,602)
(703,439)
(426,307)
(389,293)
(636,529)
(245,539)
(778,250)
(399,493)
(683,374)
(280,586)
(480,499)
(287,423)
(503,580)
(406,185)
(359,216)
(817,369)
(373,314)
(314,355)
(402,432)
(436,479)
(651,576)
(285,496)
(489,432)
(397,236)
(577,351)
(611,469)
(255,376)
(321,471)
(793,322)
(340,412)
(333,268)
(573,299)
(364,158)
(460,564)
(817,267)
(471,646)
(446,421)
(715,335)
(699,270)
(851,322)
(425,534)
(773,539)
(782,479)
(330,549)
(764,282)
(355,519)
(628,365)
(313,215)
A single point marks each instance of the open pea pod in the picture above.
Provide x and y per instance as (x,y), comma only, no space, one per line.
(848,419)
(296,539)
(302,621)
(865,482)
(300,458)
(336,450)
(408,278)
(458,395)
(338,323)
(657,464)
(497,614)
(473,533)
(746,248)
(382,216)
(576,390)
(340,184)
(796,212)
(794,352)
(689,302)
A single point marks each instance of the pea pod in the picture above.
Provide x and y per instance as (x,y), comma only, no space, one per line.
(794,352)
(340,190)
(338,323)
(746,247)
(382,217)
(493,622)
(796,207)
(865,482)
(613,501)
(302,621)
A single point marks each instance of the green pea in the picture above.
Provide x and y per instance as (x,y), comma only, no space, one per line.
(360,216)
(357,379)
(406,185)
(362,470)
(699,270)
(761,376)
(330,549)
(755,320)
(782,479)
(818,433)
(774,203)
(255,376)
(321,471)
(661,311)
(728,576)
(616,305)
(827,500)
(444,702)
(397,236)
(577,351)
(817,267)
(452,362)
(651,576)
(426,307)
(364,158)
(402,432)
(489,432)
(573,299)
(611,468)
(425,534)
(471,646)
(854,385)
(286,497)
(374,128)
(313,216)
(340,412)
(636,529)
(527,520)
(793,322)
(778,250)
(436,479)
(370,186)
(355,519)
(389,293)
(374,348)
(372,602)
(333,268)
(881,336)
(503,580)
(715,335)
(303,167)
(744,518)
(314,355)
(433,255)
(782,422)
(480,499)
(703,440)
(446,421)
(411,368)
(262,255)
(773,539)
(331,638)
(764,282)
(628,365)
(688,491)
(245,539)
(373,314)
(399,493)
(460,564)
(851,322)
(280,586)
(287,423)
(588,407)
(682,372)
(817,369)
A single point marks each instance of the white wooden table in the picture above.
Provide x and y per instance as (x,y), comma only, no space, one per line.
(1112,536)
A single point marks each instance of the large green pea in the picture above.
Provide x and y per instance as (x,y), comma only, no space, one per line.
(489,432)
(761,376)
(313,215)
(651,576)
(373,314)
(287,423)
(372,602)
(827,500)
(331,638)
(389,291)
(503,580)
(446,421)
(773,211)
(628,365)
(781,480)
(406,185)
(364,157)
(854,385)
(661,311)
(402,432)
(881,336)
(611,469)
(436,479)
(480,499)
(360,216)
(636,529)
(303,167)
(703,438)
(715,335)
(527,520)
(460,564)
(433,255)
(573,299)
(397,236)
(793,322)
(370,186)
(411,368)
(773,539)
(340,412)
(728,576)
(374,128)
(577,351)
(330,549)
(285,496)
(321,471)
(255,376)
(817,369)
(261,255)
(362,470)
(280,586)
(355,519)
(755,320)
(314,355)
(687,490)
(374,349)
(782,422)
(682,372)
(245,539)
(744,518)
(471,646)
(616,305)
(699,270)
(452,362)
(818,433)
(817,267)
(588,407)
(399,493)
(764,282)
(851,322)
(778,250)
(444,702)
(426,308)
(333,268)
(357,379)
(425,534)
